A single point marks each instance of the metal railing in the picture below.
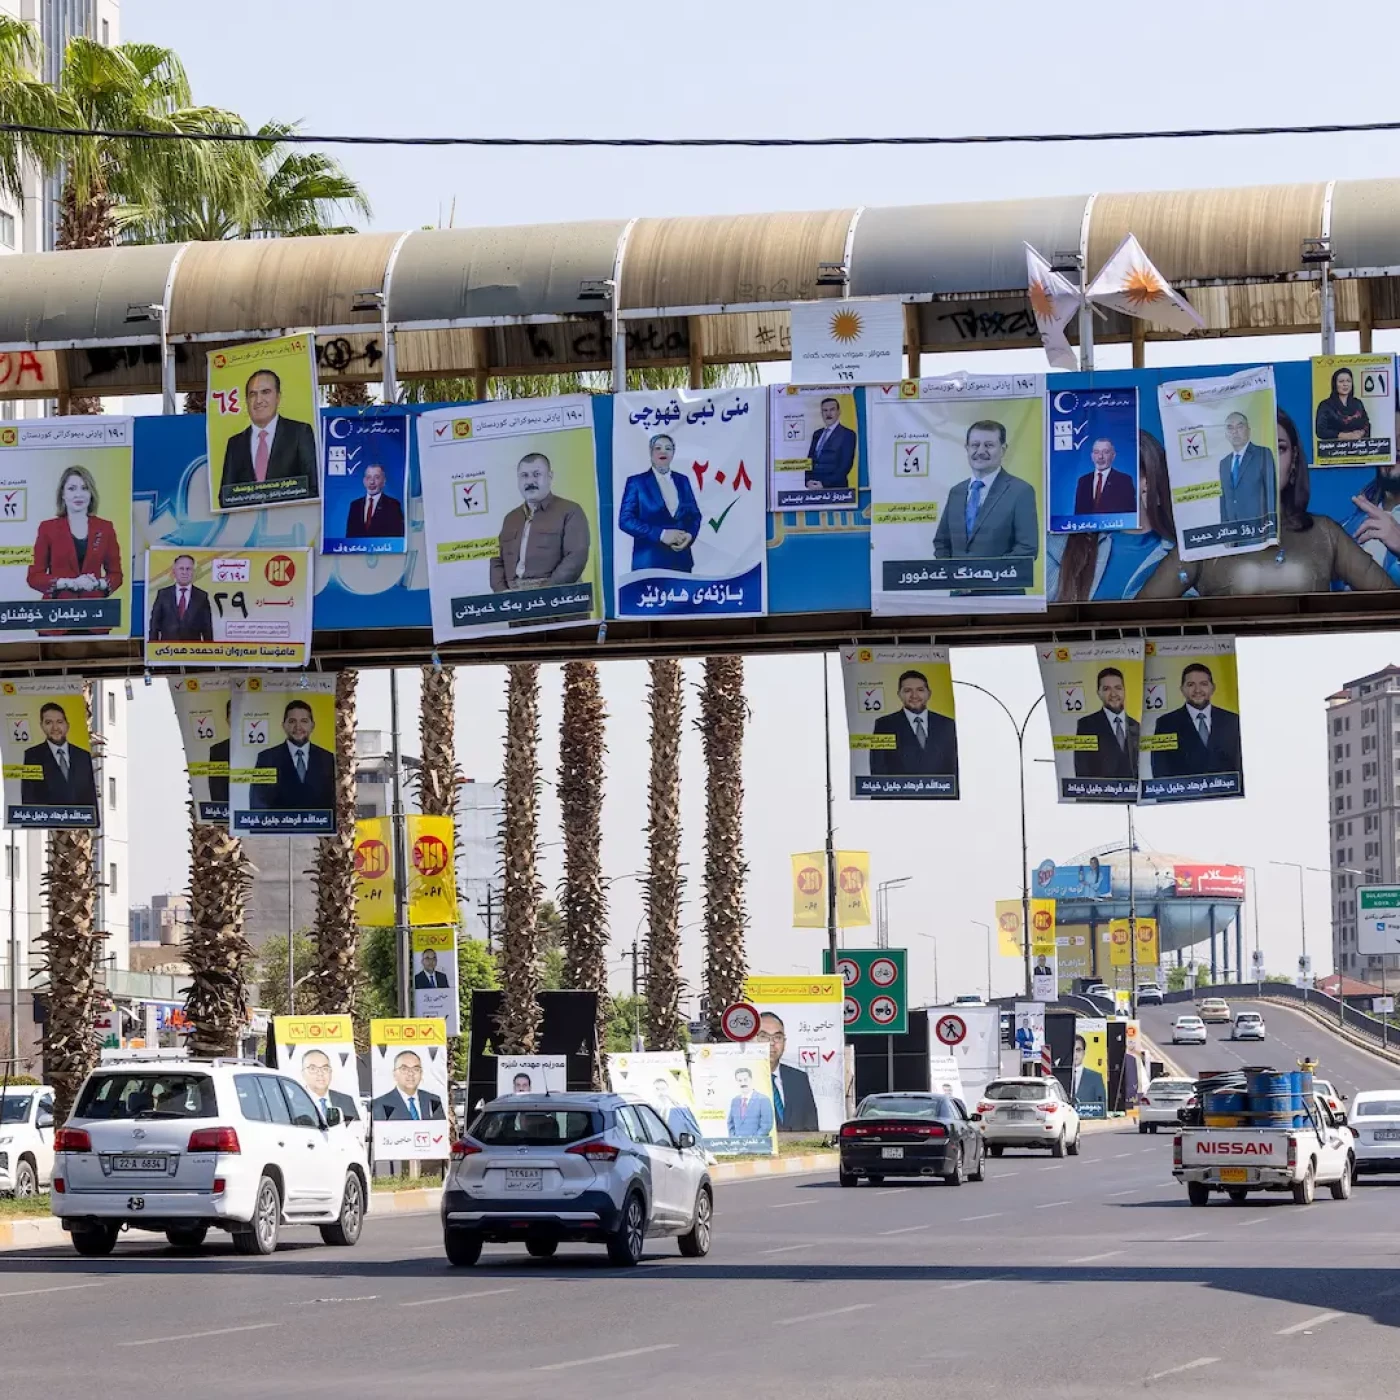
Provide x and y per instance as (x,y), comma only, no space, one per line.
(1339,1015)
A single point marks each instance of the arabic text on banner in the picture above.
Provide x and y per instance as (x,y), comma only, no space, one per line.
(662,1078)
(282,756)
(432,881)
(1191,720)
(734,1098)
(1353,410)
(319,1051)
(49,773)
(510,516)
(852,889)
(374,872)
(690,533)
(65,528)
(434,959)
(809,890)
(957,495)
(1093,696)
(814,448)
(1221,439)
(1088,1073)
(1045,979)
(203,706)
(1093,460)
(900,719)
(800,1024)
(531,1074)
(408,1074)
(365,493)
(852,341)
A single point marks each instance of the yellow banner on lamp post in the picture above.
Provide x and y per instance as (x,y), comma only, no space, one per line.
(1010,936)
(809,890)
(1043,928)
(374,872)
(432,876)
(1009,942)
(1120,946)
(1149,952)
(852,889)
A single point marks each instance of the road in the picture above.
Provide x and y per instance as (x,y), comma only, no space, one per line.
(1012,1286)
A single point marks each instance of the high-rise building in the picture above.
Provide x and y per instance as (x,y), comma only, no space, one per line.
(1363,804)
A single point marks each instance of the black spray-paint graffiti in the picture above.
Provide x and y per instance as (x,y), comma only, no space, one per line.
(991,325)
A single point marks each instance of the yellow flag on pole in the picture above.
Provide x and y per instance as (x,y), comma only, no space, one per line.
(852,889)
(1009,927)
(374,872)
(809,890)
(1043,928)
(432,880)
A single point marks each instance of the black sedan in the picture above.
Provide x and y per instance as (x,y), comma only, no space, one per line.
(910,1135)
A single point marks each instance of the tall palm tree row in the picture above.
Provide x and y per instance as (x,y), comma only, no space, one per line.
(521,941)
(723,712)
(582,751)
(664,880)
(335,970)
(218,954)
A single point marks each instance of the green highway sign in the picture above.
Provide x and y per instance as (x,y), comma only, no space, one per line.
(877,982)
(1378,919)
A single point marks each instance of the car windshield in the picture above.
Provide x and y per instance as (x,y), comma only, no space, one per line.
(1323,1087)
(1170,1086)
(535,1127)
(1378,1108)
(124,1094)
(1017,1093)
(910,1107)
(14,1108)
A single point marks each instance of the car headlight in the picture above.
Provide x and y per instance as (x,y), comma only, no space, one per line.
(5,1140)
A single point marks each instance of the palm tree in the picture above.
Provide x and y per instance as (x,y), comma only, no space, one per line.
(519,1019)
(664,879)
(337,932)
(723,712)
(215,948)
(582,750)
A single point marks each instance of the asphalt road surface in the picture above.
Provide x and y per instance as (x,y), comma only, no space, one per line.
(1089,1277)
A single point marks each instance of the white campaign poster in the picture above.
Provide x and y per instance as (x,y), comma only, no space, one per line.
(1030,1028)
(690,524)
(662,1078)
(978,1054)
(1093,697)
(801,1025)
(957,469)
(856,340)
(531,1074)
(734,1098)
(945,1075)
(434,954)
(815,451)
(320,1052)
(203,707)
(408,1068)
(1045,977)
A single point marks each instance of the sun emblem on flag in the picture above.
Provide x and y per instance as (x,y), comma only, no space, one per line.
(1142,286)
(1042,303)
(846,326)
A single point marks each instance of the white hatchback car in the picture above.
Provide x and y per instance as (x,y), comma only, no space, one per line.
(1249,1025)
(1028,1111)
(1161,1102)
(1189,1030)
(182,1146)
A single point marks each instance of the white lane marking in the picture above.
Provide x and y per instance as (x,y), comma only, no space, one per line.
(195,1336)
(1308,1323)
(60,1288)
(817,1316)
(457,1297)
(1194,1235)
(968,1283)
(890,1191)
(1153,1149)
(992,1216)
(788,1205)
(1058,1168)
(1258,1220)
(1050,1205)
(1187,1366)
(1131,1191)
(1094,1258)
(907,1229)
(1118,1155)
(608,1356)
(787,1248)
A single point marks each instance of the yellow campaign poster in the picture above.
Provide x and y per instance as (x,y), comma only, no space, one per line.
(233,607)
(1120,947)
(1009,941)
(282,756)
(432,875)
(374,872)
(1191,720)
(203,705)
(809,890)
(1353,410)
(1009,933)
(813,447)
(47,755)
(263,424)
(1043,927)
(1148,949)
(852,889)
(1088,1084)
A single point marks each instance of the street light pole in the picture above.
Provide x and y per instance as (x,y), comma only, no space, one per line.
(1132,920)
(1302,912)
(987,929)
(830,830)
(882,909)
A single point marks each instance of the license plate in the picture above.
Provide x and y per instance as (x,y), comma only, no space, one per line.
(1388,1134)
(1234,1173)
(891,1152)
(1020,1115)
(133,1163)
(524,1179)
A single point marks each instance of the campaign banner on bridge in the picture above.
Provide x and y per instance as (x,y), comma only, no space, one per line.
(813,447)
(65,528)
(510,516)
(1093,460)
(282,756)
(900,719)
(1354,410)
(734,1098)
(1221,440)
(1190,747)
(234,607)
(432,884)
(801,1024)
(262,424)
(1093,696)
(957,495)
(434,954)
(408,1076)
(531,1074)
(364,506)
(662,1078)
(203,707)
(374,872)
(320,1052)
(47,756)
(691,524)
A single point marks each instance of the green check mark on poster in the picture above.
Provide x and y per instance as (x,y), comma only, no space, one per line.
(715,524)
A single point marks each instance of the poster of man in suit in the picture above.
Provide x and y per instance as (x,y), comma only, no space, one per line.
(1093,698)
(262,424)
(510,516)
(900,719)
(801,1026)
(365,493)
(958,494)
(814,447)
(531,1074)
(181,611)
(434,953)
(1093,460)
(662,1078)
(1191,708)
(203,706)
(282,759)
(733,1089)
(408,1084)
(51,773)
(319,1051)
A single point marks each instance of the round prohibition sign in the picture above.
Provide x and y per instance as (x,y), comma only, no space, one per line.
(951,1030)
(849,970)
(850,1011)
(884,972)
(740,1021)
(883,1011)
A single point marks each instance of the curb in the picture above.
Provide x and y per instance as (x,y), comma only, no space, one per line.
(40,1232)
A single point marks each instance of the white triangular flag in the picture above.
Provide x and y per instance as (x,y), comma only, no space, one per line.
(1129,283)
(1055,303)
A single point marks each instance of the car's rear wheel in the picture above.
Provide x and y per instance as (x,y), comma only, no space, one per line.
(1198,1193)
(626,1243)
(1306,1190)
(94,1241)
(695,1243)
(1142,1129)
(1341,1190)
(462,1247)
(996,1149)
(187,1236)
(848,1178)
(541,1249)
(26,1180)
(261,1233)
(1057,1148)
(346,1230)
(958,1175)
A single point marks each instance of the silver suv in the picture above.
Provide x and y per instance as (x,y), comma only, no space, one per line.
(598,1168)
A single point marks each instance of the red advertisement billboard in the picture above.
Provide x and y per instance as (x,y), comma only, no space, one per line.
(1226,881)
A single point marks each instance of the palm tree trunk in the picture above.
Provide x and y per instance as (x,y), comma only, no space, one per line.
(519,1018)
(70,947)
(664,880)
(335,975)
(347,394)
(585,898)
(85,224)
(723,713)
(215,948)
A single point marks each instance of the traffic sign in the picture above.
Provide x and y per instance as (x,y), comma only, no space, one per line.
(740,1021)
(1378,919)
(849,970)
(877,997)
(850,1011)
(951,1030)
(883,972)
(883,1011)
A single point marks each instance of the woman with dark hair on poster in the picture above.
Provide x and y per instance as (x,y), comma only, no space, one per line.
(1341,416)
(76,552)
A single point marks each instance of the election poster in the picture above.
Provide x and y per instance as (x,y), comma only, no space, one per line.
(320,1052)
(1353,410)
(203,706)
(234,607)
(900,719)
(1120,935)
(1191,720)
(1093,696)
(434,953)
(374,873)
(1093,460)
(1045,977)
(262,423)
(800,1023)
(1221,440)
(976,1057)
(691,526)
(408,1077)
(809,890)
(510,516)
(734,1098)
(945,1076)
(1029,1034)
(1088,1074)
(432,882)
(814,448)
(364,501)
(851,341)
(662,1079)
(65,528)
(853,889)
(531,1074)
(51,782)
(282,756)
(957,495)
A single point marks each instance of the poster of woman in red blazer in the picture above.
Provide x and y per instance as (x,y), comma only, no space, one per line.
(77,554)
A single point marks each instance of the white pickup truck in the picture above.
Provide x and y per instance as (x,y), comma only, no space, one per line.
(26,1139)
(1240,1160)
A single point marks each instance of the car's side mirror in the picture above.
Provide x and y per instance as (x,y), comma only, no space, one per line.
(45,1120)
(687,1140)
(334,1118)
(976,1117)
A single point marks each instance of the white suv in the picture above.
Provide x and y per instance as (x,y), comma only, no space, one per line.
(184,1146)
(26,1139)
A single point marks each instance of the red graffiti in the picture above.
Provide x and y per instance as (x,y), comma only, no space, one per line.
(15,368)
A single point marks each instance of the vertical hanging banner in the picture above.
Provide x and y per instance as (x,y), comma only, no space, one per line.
(852,889)
(408,1068)
(1008,915)
(852,341)
(1191,720)
(365,501)
(1354,413)
(374,872)
(1011,940)
(1221,437)
(1088,1076)
(899,714)
(1093,460)
(46,754)
(1093,696)
(261,424)
(690,535)
(510,516)
(814,447)
(204,706)
(65,528)
(432,878)
(320,1052)
(282,756)
(435,992)
(1149,948)
(809,890)
(1045,979)
(957,495)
